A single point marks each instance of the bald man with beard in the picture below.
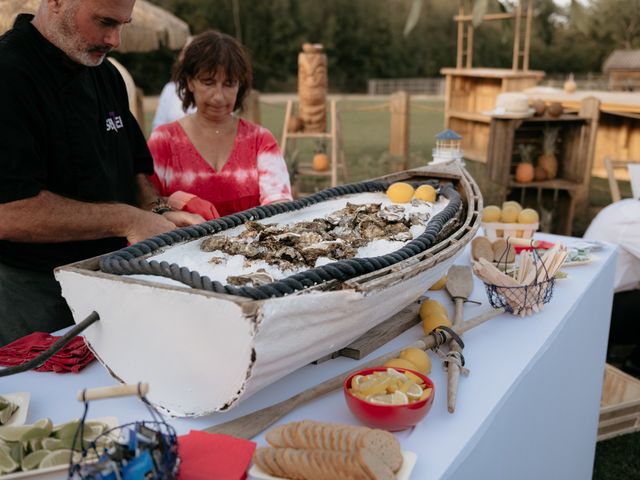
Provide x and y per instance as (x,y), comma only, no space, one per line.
(73,161)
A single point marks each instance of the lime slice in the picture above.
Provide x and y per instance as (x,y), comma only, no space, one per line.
(41,429)
(7,464)
(66,430)
(59,457)
(13,433)
(52,444)
(32,461)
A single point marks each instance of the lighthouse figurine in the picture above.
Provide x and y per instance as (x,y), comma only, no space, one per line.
(448,148)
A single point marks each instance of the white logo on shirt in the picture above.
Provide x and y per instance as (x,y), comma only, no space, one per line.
(114,123)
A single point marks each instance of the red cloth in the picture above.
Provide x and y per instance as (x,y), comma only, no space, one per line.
(205,456)
(190,203)
(542,245)
(73,357)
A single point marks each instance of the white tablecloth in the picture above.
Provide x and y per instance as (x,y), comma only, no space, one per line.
(529,409)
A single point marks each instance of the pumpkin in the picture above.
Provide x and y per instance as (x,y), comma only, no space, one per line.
(320,162)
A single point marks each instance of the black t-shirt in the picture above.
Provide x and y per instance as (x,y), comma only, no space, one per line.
(67,129)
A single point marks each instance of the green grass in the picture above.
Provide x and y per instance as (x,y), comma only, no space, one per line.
(365,136)
(618,458)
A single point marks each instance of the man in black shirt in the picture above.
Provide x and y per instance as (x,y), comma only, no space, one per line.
(73,161)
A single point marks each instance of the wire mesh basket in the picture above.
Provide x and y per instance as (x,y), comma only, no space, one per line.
(146,449)
(518,297)
(522,300)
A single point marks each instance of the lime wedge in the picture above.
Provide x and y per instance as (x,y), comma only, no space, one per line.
(32,461)
(40,429)
(66,430)
(7,464)
(59,457)
(13,433)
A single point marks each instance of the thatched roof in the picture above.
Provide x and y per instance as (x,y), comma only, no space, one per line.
(151,26)
(622,60)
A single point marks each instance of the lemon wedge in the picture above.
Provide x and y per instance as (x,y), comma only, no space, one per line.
(395,398)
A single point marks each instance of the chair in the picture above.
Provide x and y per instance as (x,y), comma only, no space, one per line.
(633,170)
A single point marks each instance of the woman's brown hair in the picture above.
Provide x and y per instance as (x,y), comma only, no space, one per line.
(204,56)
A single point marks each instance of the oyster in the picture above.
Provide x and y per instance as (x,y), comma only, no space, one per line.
(334,237)
(255,279)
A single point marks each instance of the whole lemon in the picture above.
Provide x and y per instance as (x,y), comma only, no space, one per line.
(491,213)
(429,306)
(435,320)
(528,215)
(400,363)
(509,214)
(514,203)
(400,192)
(426,193)
(439,284)
(419,358)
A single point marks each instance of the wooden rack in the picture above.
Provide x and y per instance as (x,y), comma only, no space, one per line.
(568,193)
(338,165)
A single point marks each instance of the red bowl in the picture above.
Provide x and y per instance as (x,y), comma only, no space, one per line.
(388,417)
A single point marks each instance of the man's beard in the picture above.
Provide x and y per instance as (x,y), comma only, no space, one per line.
(64,35)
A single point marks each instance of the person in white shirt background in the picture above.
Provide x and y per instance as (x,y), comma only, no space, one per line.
(169,104)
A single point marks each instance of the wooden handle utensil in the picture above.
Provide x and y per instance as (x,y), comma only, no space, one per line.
(252,424)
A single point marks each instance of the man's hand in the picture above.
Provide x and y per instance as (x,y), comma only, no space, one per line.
(147,224)
(183,219)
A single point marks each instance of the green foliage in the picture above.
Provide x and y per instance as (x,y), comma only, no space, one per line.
(372,39)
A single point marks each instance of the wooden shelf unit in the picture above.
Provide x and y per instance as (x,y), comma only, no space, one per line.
(470,93)
(337,166)
(565,195)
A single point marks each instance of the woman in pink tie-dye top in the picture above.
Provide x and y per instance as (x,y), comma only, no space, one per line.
(212,154)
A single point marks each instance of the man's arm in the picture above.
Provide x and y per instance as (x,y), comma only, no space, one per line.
(48,217)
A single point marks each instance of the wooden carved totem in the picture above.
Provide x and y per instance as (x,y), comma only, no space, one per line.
(312,87)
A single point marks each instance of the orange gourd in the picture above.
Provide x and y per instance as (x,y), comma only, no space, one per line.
(320,162)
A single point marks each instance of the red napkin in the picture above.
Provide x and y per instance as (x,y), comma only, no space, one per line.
(73,357)
(542,245)
(204,456)
(190,203)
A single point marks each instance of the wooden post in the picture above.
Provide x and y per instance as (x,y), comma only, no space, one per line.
(470,45)
(334,144)
(399,129)
(516,38)
(589,108)
(527,36)
(251,107)
(287,115)
(460,38)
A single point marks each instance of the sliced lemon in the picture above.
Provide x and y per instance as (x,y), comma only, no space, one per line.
(396,374)
(414,392)
(426,393)
(375,385)
(395,398)
(357,381)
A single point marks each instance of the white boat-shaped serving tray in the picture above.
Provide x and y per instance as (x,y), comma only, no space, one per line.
(203,346)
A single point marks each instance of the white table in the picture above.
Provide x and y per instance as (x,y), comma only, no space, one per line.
(529,409)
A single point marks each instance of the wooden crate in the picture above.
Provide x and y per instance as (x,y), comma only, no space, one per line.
(620,404)
(470,93)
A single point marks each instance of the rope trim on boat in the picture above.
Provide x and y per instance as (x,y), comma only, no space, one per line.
(128,261)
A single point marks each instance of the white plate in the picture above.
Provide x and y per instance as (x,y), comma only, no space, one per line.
(408,462)
(22,400)
(60,471)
